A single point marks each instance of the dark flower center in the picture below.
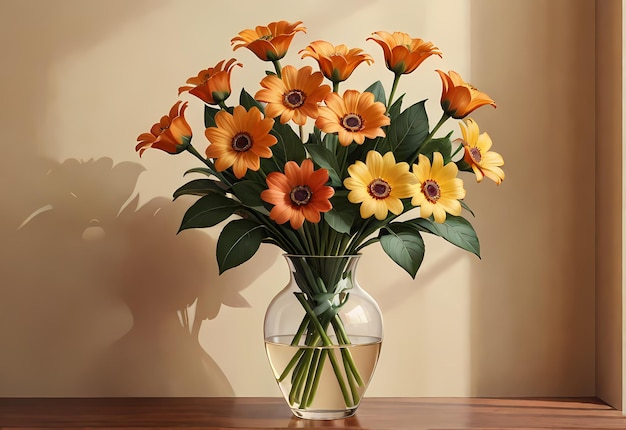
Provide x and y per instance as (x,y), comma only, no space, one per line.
(301,195)
(476,155)
(431,190)
(352,122)
(294,99)
(242,142)
(379,188)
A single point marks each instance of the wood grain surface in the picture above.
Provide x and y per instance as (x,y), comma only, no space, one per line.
(272,413)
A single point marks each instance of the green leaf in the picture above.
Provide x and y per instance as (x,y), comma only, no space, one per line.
(466,207)
(204,170)
(379,92)
(289,146)
(249,192)
(407,132)
(343,214)
(456,230)
(238,242)
(394,109)
(404,245)
(199,187)
(247,101)
(208,211)
(209,116)
(326,159)
(442,145)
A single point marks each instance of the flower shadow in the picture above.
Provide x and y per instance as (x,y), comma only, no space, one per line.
(109,298)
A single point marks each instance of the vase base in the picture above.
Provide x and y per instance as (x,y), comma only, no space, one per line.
(323,415)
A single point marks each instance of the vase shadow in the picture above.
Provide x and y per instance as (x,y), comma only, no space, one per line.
(103,297)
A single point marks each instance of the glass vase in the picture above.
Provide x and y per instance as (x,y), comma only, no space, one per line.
(323,335)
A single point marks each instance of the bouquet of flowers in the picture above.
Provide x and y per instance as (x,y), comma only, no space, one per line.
(342,186)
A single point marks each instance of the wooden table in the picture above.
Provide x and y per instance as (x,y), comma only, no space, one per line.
(272,413)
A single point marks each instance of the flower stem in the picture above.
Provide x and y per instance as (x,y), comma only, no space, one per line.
(394,87)
(277,67)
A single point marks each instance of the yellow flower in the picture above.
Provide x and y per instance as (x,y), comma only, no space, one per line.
(477,154)
(240,140)
(438,188)
(354,117)
(379,184)
(270,42)
(293,96)
(336,62)
(458,98)
(403,54)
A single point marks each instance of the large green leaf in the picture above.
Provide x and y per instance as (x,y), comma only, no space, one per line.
(404,245)
(238,242)
(341,217)
(208,211)
(395,108)
(441,145)
(456,230)
(199,187)
(249,192)
(247,101)
(379,92)
(209,116)
(407,132)
(288,148)
(326,159)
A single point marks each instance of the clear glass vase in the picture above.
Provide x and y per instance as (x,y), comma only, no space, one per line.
(323,335)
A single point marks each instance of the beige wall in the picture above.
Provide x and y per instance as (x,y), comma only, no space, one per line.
(91,282)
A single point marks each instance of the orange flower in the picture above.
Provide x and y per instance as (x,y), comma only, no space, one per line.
(172,134)
(298,194)
(336,62)
(239,140)
(294,96)
(458,98)
(354,117)
(403,54)
(269,43)
(212,85)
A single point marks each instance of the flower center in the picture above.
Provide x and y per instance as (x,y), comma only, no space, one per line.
(431,190)
(301,195)
(379,188)
(352,122)
(242,142)
(476,155)
(294,99)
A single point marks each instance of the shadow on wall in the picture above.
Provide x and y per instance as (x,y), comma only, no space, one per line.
(98,295)
(101,297)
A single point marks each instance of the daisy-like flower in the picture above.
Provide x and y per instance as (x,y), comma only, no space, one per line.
(354,117)
(270,42)
(458,98)
(298,194)
(438,188)
(172,134)
(379,184)
(336,62)
(212,85)
(240,140)
(403,54)
(293,96)
(477,154)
